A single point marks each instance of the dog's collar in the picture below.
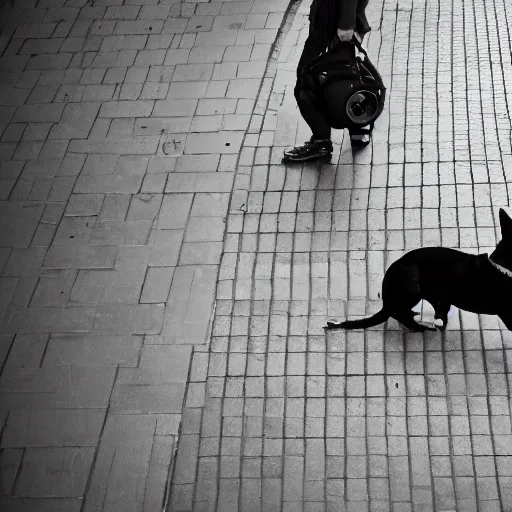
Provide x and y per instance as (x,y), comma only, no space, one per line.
(498,267)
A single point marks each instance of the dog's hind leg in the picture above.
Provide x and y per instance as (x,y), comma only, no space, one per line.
(407,318)
(409,298)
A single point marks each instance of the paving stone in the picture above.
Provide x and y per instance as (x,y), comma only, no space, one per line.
(54,472)
(120,233)
(81,257)
(191,285)
(30,429)
(200,229)
(81,205)
(36,30)
(10,461)
(174,211)
(53,289)
(108,184)
(44,505)
(76,121)
(43,94)
(187,90)
(127,319)
(157,285)
(66,387)
(125,12)
(39,113)
(155,125)
(200,253)
(139,27)
(47,319)
(199,182)
(71,165)
(121,145)
(84,350)
(5,346)
(161,460)
(141,108)
(74,231)
(192,72)
(98,164)
(50,62)
(154,12)
(222,142)
(24,262)
(187,454)
(159,364)
(148,399)
(124,454)
(144,207)
(115,207)
(18,233)
(166,247)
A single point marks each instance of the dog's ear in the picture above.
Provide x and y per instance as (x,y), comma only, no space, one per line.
(506,227)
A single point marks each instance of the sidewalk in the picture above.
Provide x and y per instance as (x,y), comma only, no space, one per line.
(280,417)
(143,204)
(121,123)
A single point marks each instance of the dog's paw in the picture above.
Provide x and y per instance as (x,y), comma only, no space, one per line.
(333,325)
(440,323)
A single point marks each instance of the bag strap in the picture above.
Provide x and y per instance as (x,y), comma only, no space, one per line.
(368,63)
(359,46)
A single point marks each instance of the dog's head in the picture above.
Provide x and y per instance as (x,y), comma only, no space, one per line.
(503,252)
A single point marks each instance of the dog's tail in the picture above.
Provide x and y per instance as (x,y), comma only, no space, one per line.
(363,323)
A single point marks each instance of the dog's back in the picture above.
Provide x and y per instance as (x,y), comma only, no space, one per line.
(445,275)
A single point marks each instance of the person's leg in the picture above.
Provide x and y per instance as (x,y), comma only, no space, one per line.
(312,48)
(311,109)
(362,25)
(361,140)
(320,144)
(307,101)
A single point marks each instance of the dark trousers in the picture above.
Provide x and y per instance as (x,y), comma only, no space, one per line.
(307,100)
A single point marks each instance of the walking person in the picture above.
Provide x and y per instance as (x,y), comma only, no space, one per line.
(333,25)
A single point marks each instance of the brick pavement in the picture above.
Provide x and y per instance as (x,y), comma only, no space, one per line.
(114,117)
(280,417)
(121,122)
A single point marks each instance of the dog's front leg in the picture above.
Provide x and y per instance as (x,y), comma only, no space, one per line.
(442,312)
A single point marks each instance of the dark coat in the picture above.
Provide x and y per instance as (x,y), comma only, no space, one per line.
(326,16)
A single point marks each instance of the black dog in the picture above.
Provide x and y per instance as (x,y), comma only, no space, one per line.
(444,277)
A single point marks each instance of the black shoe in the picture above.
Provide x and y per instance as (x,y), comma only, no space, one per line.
(311,150)
(360,140)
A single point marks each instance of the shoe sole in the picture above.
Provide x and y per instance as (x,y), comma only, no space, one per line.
(306,159)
